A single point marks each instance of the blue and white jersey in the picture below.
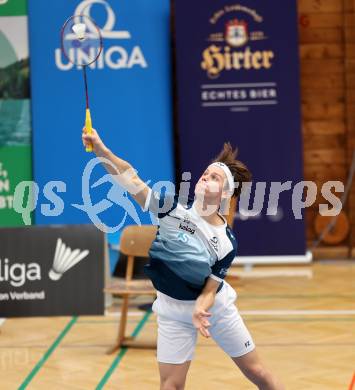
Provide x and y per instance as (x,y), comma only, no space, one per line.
(187,249)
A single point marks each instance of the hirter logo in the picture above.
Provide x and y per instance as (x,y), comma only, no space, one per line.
(236,32)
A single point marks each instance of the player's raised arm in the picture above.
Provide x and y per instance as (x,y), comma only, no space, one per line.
(122,170)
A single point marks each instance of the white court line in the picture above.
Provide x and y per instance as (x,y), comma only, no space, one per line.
(2,320)
(272,273)
(263,313)
(283,259)
(296,312)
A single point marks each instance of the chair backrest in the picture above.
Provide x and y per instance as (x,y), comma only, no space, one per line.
(135,242)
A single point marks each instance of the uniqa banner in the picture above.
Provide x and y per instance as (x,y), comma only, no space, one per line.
(15,120)
(130,102)
(51,271)
(238,81)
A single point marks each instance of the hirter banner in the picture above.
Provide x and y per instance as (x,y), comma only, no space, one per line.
(51,271)
(237,70)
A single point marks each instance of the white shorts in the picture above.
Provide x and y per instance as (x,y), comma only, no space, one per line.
(177,335)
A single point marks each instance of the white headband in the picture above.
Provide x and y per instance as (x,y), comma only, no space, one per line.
(228,173)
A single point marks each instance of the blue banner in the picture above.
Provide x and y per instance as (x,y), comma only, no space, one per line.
(130,101)
(238,81)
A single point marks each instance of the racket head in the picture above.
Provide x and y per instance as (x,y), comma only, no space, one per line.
(81,40)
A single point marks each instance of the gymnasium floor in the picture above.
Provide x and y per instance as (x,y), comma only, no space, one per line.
(304,328)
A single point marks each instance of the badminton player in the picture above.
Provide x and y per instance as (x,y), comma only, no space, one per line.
(189,259)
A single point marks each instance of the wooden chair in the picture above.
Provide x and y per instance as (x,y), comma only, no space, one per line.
(135,242)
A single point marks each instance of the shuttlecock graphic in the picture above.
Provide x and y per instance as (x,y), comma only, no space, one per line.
(64,259)
(79,30)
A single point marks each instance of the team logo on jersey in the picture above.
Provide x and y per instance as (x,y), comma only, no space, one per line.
(186,218)
(183,237)
(223,271)
(214,243)
(187,228)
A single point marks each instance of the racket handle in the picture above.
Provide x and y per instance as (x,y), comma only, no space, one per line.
(88,128)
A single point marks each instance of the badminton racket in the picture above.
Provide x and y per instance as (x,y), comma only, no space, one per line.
(81,43)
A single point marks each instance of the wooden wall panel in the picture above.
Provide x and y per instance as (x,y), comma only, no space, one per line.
(320,6)
(320,35)
(322,51)
(323,127)
(327,53)
(349,63)
(317,111)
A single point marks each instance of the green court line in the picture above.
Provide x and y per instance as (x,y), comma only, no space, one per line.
(122,352)
(48,353)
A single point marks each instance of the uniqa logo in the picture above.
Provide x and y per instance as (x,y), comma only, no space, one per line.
(114,57)
(17,274)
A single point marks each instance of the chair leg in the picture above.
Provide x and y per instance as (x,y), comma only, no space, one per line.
(123,321)
(121,328)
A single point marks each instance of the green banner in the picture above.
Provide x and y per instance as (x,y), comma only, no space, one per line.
(15,122)
(14,168)
(13,7)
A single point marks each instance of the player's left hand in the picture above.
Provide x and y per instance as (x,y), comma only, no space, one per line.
(200,321)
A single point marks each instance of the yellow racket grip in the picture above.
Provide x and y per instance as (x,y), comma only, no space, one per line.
(88,128)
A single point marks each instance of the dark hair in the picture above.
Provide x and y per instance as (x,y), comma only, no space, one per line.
(239,170)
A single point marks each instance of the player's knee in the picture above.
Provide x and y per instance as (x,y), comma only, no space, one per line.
(258,375)
(172,384)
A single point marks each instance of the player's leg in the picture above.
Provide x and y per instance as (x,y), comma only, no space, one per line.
(175,350)
(230,333)
(173,376)
(253,368)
